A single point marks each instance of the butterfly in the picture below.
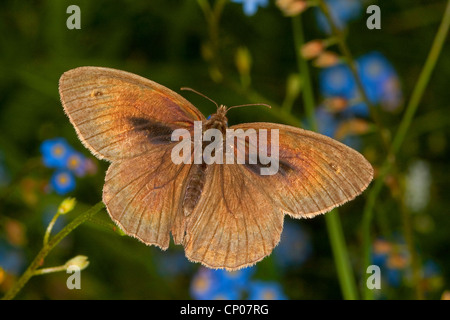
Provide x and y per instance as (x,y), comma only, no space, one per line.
(225,215)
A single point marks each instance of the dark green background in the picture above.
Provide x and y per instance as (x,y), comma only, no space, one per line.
(161,40)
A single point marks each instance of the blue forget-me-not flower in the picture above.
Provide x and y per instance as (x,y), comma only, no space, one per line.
(250,7)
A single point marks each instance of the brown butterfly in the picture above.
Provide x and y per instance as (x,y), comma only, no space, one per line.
(225,215)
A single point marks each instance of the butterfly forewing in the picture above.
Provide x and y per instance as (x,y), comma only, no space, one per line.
(120,115)
(316,173)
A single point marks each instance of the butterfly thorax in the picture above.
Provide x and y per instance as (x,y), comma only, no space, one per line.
(218,120)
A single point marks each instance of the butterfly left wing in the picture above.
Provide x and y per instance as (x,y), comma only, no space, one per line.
(239,218)
(129,120)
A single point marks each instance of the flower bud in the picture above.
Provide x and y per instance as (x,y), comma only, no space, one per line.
(382,246)
(243,60)
(336,104)
(67,205)
(312,49)
(293,85)
(326,59)
(352,127)
(292,8)
(397,261)
(78,261)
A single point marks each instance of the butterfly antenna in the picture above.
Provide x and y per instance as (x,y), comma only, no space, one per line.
(200,94)
(250,104)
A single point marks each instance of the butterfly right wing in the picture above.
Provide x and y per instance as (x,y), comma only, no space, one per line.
(239,218)
(315,173)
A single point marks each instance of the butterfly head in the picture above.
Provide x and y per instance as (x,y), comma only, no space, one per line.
(218,120)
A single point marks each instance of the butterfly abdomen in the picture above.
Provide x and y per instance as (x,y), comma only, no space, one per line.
(194,187)
(197,174)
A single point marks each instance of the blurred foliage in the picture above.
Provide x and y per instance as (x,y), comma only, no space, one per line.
(169,41)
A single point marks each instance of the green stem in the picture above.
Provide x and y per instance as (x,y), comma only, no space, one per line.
(50,227)
(39,259)
(400,136)
(415,262)
(423,80)
(49,270)
(341,258)
(212,16)
(307,92)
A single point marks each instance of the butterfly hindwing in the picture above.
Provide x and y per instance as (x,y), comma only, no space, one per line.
(234,224)
(142,196)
